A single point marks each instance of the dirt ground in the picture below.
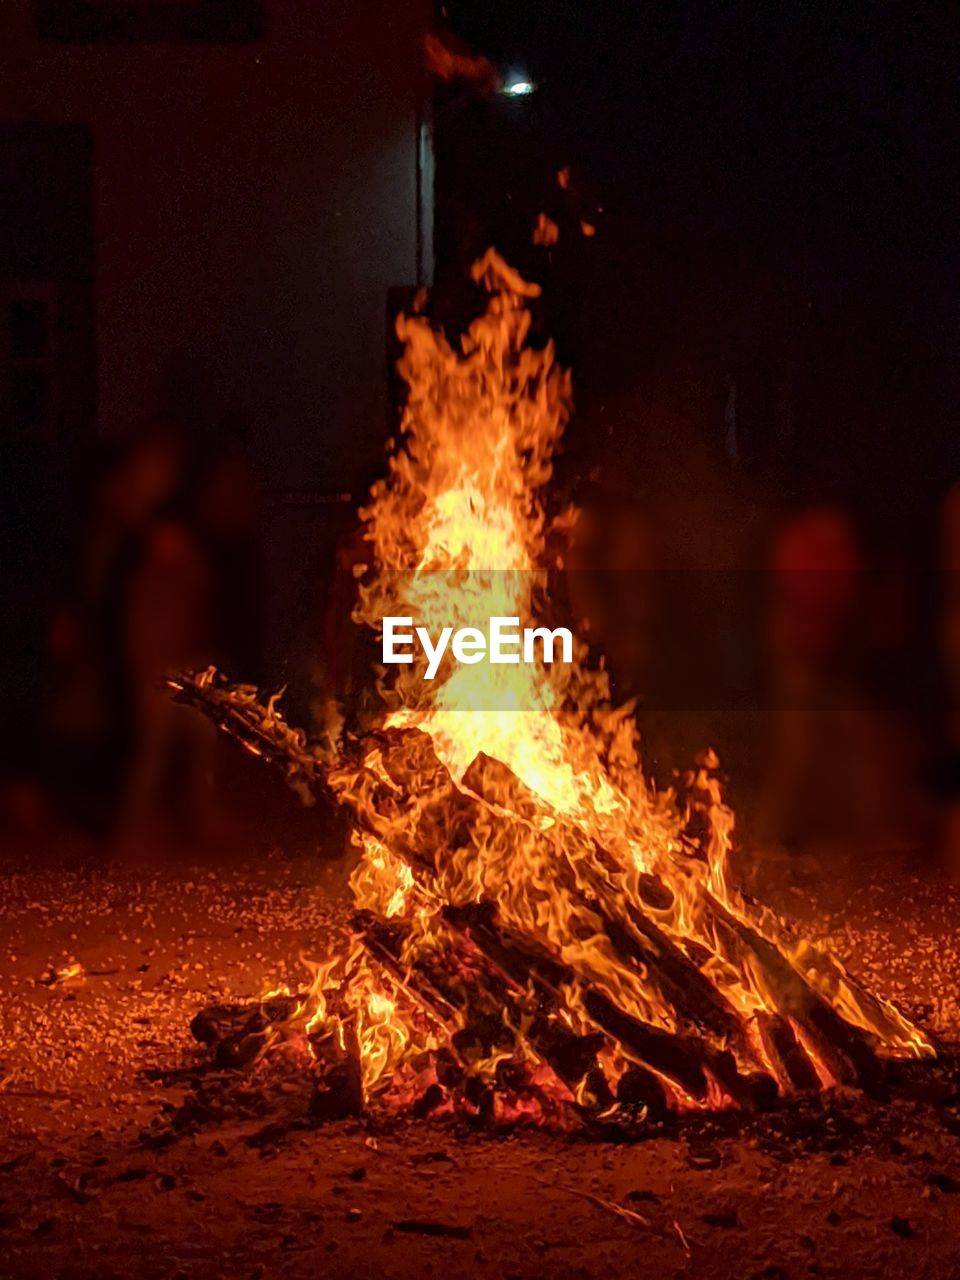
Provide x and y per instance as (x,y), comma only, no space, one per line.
(93,1184)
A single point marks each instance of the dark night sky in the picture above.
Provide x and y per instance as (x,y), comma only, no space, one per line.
(779,184)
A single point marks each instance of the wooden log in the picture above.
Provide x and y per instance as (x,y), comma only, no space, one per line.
(786,1053)
(844,1047)
(681,1058)
(670,1055)
(259,728)
(524,964)
(381,942)
(637,940)
(519,958)
(338,1093)
(239,1033)
(639,1087)
(446,817)
(829,978)
(460,811)
(492,1003)
(634,936)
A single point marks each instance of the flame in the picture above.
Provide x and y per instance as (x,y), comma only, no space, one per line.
(565,834)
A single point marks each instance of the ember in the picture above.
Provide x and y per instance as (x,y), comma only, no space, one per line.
(538,934)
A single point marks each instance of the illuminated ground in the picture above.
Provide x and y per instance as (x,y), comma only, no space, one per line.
(865,1190)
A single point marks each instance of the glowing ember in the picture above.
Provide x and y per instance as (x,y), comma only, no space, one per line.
(538,933)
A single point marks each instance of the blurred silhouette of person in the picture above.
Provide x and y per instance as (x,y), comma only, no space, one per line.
(88,716)
(168,626)
(612,585)
(227,510)
(145,604)
(351,651)
(822,785)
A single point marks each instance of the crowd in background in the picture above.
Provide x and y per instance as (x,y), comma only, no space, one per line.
(825,672)
(824,668)
(164,577)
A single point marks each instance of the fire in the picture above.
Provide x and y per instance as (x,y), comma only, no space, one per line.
(536,925)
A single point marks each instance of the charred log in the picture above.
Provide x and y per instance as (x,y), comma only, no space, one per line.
(338,1093)
(639,1087)
(634,936)
(520,959)
(490,1007)
(489,979)
(790,1059)
(384,943)
(260,730)
(682,1059)
(672,1056)
(843,1047)
(238,1034)
(447,816)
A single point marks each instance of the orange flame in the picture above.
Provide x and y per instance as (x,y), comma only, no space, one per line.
(457,534)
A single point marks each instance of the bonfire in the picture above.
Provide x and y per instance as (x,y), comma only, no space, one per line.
(538,933)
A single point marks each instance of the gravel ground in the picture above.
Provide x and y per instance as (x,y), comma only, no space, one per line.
(897,930)
(89,1063)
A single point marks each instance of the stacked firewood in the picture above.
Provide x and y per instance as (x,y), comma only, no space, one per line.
(503,997)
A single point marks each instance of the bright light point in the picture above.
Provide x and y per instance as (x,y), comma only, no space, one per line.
(518,88)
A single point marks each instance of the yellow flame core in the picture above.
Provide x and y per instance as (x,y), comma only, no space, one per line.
(458,534)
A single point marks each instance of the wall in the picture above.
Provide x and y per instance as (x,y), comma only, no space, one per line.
(252,206)
(253,203)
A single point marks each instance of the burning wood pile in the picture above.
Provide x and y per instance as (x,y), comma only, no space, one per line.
(538,933)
